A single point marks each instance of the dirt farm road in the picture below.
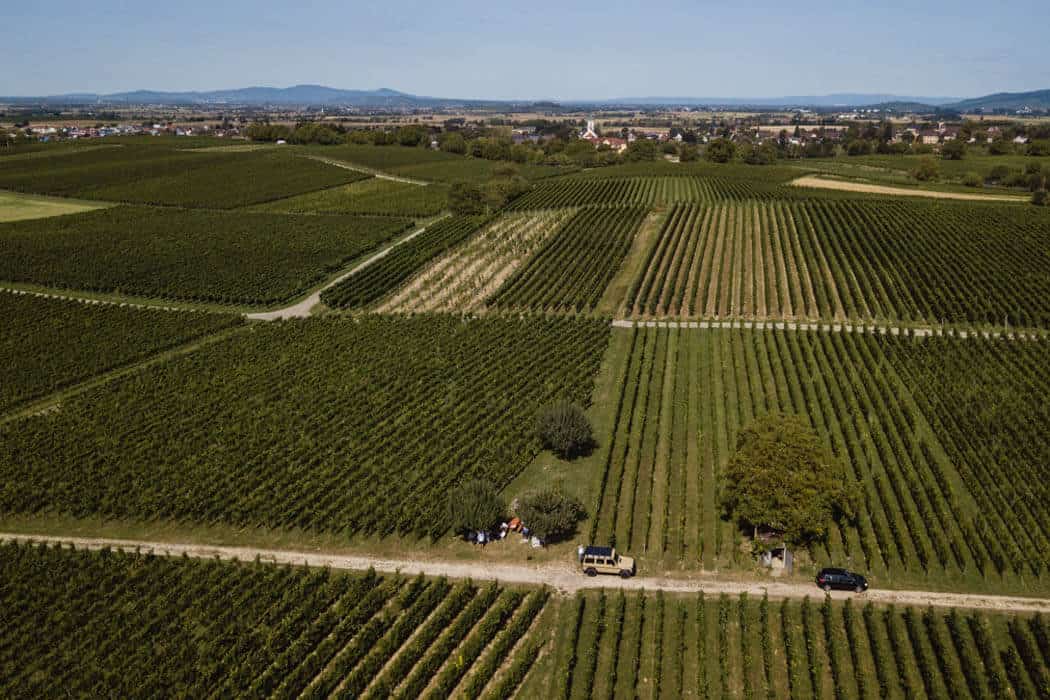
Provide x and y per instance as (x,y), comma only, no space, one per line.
(562,578)
(851,186)
(302,309)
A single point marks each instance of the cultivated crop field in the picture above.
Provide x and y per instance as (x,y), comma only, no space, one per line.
(392,271)
(194,255)
(156,174)
(246,178)
(859,260)
(571,271)
(426,164)
(371,196)
(465,278)
(50,343)
(934,489)
(131,625)
(654,645)
(71,172)
(322,425)
(18,207)
(672,302)
(578,192)
(134,624)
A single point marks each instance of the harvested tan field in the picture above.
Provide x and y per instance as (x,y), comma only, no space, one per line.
(466,277)
(846,186)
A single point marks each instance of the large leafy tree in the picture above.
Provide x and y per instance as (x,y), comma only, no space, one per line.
(782,477)
(720,150)
(563,428)
(474,505)
(550,514)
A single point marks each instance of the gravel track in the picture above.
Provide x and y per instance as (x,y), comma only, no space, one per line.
(563,578)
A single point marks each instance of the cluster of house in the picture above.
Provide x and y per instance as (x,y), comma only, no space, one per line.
(945,132)
(49,132)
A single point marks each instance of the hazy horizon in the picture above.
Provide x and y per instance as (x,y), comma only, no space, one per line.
(541,51)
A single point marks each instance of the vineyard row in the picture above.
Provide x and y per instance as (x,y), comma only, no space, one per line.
(934,473)
(849,260)
(329,424)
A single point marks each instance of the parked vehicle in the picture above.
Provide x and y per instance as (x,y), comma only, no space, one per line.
(606,560)
(842,580)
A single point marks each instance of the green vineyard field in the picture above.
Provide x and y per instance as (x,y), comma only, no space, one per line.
(591,191)
(195,255)
(464,278)
(115,624)
(572,270)
(70,172)
(655,645)
(372,196)
(341,425)
(949,494)
(237,180)
(923,262)
(426,164)
(390,272)
(169,176)
(51,343)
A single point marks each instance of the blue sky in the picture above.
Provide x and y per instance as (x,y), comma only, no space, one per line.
(535,49)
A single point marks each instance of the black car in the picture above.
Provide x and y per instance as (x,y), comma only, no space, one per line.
(842,580)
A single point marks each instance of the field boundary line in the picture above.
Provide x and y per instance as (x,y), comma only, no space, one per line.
(562,578)
(302,308)
(820,183)
(54,400)
(111,302)
(345,165)
(837,327)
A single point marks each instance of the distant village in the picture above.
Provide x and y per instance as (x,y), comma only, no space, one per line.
(797,134)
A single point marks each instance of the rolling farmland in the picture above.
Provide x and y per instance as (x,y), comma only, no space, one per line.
(933,511)
(425,164)
(838,260)
(617,645)
(468,275)
(156,174)
(322,425)
(115,623)
(208,256)
(18,207)
(234,181)
(339,437)
(578,192)
(571,271)
(135,624)
(50,343)
(372,196)
(395,269)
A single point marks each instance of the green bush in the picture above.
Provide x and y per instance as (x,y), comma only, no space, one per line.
(474,505)
(550,514)
(563,428)
(926,170)
(1039,198)
(972,180)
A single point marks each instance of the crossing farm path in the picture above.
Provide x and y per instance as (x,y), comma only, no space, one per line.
(302,308)
(563,578)
(371,171)
(850,186)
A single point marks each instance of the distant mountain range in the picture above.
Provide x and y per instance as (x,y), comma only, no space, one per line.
(320,95)
(846,99)
(297,95)
(1037,99)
